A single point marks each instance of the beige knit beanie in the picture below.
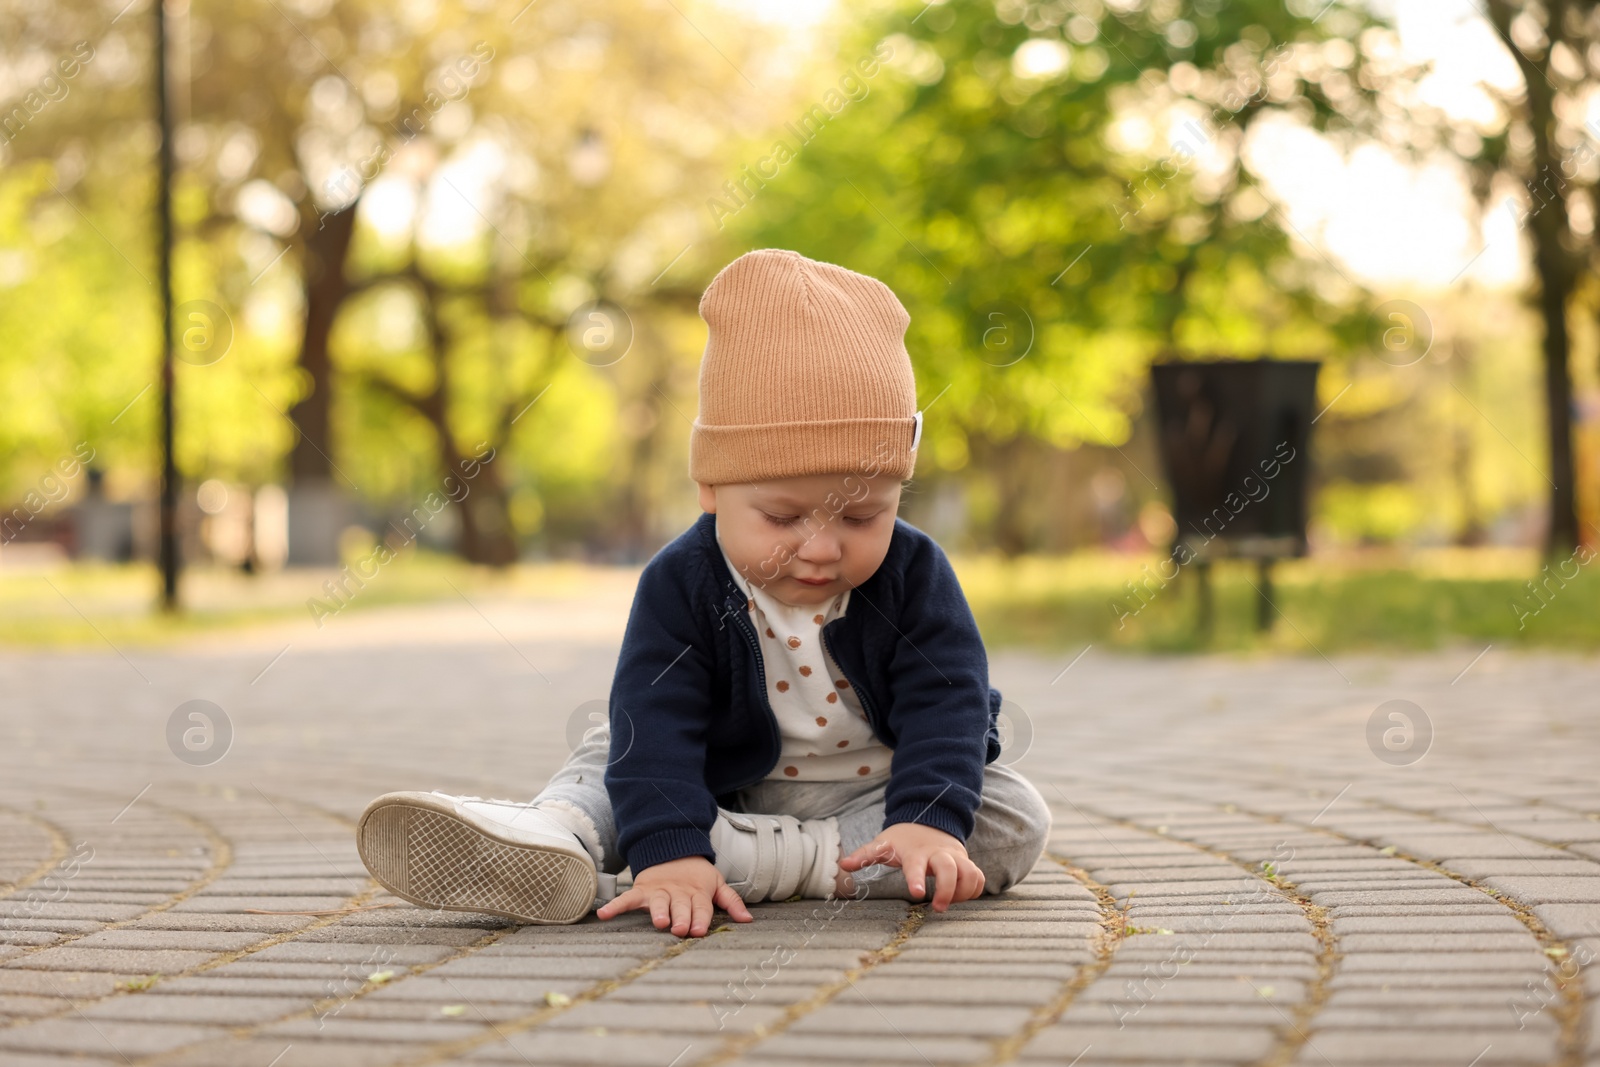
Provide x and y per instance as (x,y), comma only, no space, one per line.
(805,372)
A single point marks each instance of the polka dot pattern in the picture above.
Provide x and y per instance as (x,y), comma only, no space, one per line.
(803,681)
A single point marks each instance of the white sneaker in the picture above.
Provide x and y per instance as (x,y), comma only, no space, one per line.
(774,857)
(471,854)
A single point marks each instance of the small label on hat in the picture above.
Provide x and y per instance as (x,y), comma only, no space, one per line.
(917,435)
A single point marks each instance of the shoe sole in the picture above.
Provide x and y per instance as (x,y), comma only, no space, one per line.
(419,849)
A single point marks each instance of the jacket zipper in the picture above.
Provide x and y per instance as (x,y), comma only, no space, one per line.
(861,694)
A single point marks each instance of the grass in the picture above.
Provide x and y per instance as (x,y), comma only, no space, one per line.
(1424,600)
(1420,600)
(100,604)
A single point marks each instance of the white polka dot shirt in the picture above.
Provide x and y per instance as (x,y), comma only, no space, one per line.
(825,732)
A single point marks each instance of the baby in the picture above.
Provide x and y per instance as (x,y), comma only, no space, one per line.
(801,705)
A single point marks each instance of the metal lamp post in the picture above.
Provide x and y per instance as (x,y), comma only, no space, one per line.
(169,468)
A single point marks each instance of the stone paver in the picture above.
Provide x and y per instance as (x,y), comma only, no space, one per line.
(1234,877)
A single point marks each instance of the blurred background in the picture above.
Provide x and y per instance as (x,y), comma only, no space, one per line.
(434,270)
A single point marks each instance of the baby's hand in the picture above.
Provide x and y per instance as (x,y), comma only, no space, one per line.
(680,893)
(920,851)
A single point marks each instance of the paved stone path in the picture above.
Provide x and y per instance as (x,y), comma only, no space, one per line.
(1235,875)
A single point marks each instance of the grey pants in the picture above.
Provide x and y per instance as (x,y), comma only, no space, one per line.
(1013,820)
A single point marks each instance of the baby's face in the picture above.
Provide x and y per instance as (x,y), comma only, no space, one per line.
(834,527)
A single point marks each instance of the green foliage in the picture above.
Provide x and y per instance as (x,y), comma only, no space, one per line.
(75,323)
(295,109)
(1043,261)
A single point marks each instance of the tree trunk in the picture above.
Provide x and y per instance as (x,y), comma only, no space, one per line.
(633,536)
(487,535)
(325,289)
(486,531)
(1561,536)
(1470,533)
(1008,467)
(1556,267)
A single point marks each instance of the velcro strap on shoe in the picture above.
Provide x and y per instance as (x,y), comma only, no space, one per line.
(767,854)
(795,866)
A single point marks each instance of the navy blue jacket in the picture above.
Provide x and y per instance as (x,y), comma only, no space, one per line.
(690,721)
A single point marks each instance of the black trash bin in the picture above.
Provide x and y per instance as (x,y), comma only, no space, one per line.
(1235,440)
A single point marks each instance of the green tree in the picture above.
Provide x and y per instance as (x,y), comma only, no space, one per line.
(569,141)
(1055,192)
(591,147)
(1544,147)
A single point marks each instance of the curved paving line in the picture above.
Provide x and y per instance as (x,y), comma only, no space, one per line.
(1571,1014)
(504,1030)
(222,849)
(331,1005)
(1317,991)
(221,859)
(223,853)
(733,1045)
(737,1044)
(323,1006)
(316,1007)
(58,848)
(1113,931)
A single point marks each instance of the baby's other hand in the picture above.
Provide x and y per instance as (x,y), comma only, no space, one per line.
(920,851)
(681,893)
